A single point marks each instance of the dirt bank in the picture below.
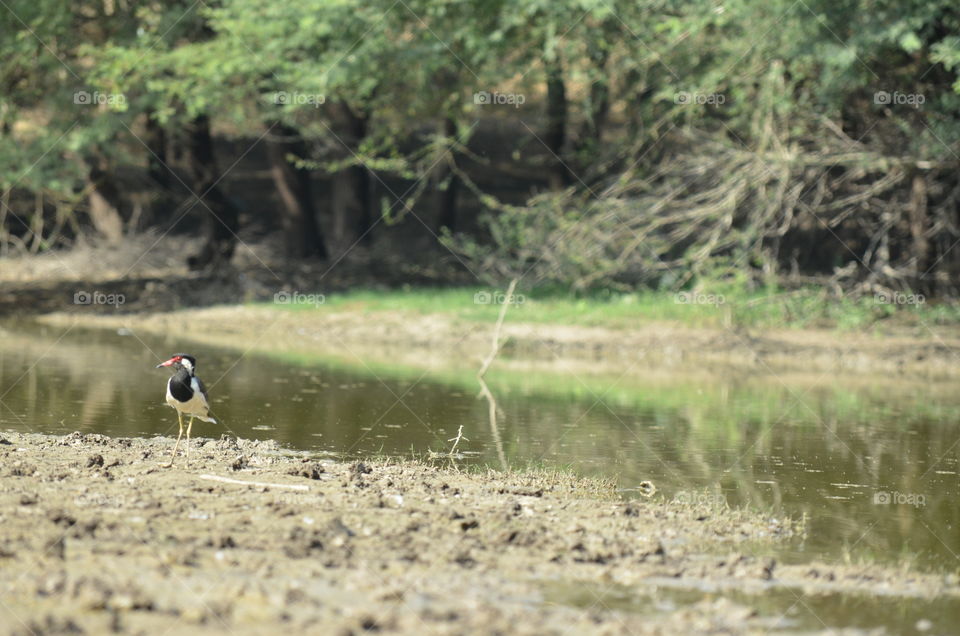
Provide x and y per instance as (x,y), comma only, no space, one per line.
(96,536)
(424,340)
(150,275)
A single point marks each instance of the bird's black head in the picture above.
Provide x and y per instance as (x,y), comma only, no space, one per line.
(181,361)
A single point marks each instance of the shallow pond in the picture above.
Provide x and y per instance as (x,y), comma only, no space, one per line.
(872,464)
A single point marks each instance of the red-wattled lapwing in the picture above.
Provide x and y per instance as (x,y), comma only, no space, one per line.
(186,393)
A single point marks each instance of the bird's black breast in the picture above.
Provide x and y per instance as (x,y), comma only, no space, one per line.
(180,387)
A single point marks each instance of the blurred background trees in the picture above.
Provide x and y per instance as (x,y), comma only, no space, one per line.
(577,143)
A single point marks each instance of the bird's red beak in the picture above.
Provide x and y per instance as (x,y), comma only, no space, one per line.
(168,362)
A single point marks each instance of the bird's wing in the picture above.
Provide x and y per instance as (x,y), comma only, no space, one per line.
(197,386)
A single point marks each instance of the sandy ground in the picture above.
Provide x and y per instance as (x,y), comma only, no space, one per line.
(97,536)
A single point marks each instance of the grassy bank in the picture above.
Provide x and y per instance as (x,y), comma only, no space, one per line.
(446,330)
(718,306)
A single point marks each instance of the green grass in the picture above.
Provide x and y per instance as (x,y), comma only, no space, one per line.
(720,306)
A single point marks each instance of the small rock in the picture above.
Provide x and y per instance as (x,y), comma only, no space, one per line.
(465,560)
(768,568)
(72,438)
(391,501)
(194,615)
(369,624)
(359,469)
(56,547)
(61,518)
(94,460)
(52,625)
(227,442)
(337,526)
(22,469)
(310,471)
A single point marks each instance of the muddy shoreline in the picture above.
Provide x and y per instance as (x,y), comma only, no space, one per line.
(160,295)
(426,340)
(97,536)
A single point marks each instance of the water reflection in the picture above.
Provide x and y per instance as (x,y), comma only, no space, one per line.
(807,446)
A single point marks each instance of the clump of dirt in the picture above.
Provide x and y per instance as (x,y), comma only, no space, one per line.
(96,536)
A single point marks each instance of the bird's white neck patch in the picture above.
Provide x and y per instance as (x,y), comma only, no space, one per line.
(186,365)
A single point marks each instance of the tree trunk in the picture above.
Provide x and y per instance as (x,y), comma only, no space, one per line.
(361,177)
(165,188)
(105,217)
(599,104)
(556,134)
(351,187)
(222,215)
(104,202)
(447,201)
(302,234)
(918,222)
(637,93)
(156,140)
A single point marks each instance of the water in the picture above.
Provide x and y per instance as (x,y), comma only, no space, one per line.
(777,609)
(873,465)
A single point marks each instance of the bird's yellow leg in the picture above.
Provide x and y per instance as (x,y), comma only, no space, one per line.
(189,426)
(177,445)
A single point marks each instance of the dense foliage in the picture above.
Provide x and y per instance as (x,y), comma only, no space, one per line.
(583,143)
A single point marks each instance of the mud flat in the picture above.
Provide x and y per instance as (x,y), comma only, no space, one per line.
(97,536)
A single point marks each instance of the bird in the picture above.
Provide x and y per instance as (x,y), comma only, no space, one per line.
(186,394)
